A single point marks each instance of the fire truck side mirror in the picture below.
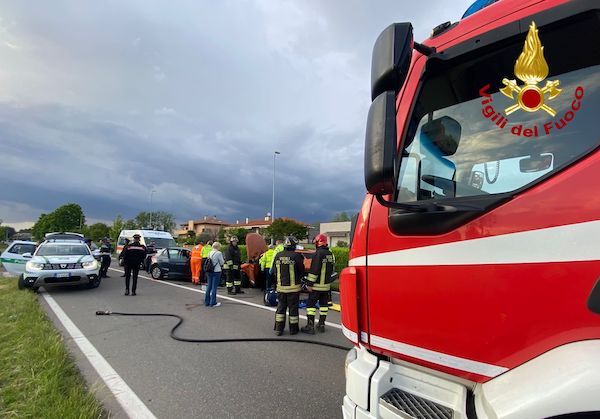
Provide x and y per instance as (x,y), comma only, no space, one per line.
(380,145)
(391,58)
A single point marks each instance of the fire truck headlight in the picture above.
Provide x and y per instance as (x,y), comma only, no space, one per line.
(350,357)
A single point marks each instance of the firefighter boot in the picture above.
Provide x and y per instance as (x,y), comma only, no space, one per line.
(230,291)
(294,329)
(238,290)
(321,325)
(279,328)
(310,326)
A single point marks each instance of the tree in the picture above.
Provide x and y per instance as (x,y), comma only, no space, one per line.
(68,217)
(157,219)
(282,227)
(130,225)
(116,228)
(239,232)
(341,216)
(205,237)
(6,232)
(221,235)
(97,231)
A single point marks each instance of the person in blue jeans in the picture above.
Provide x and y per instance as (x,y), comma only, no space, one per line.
(214,277)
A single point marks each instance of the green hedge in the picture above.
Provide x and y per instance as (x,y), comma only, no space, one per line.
(341,258)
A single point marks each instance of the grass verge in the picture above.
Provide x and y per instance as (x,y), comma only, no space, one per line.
(38,378)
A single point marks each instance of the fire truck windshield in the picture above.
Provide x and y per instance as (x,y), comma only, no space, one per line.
(487,126)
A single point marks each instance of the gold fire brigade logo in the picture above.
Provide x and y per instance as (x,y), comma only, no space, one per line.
(531,68)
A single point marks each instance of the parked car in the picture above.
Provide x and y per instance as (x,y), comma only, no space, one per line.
(60,262)
(172,263)
(64,235)
(12,258)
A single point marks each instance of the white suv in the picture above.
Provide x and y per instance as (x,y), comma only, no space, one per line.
(61,262)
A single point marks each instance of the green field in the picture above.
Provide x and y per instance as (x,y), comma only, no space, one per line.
(38,378)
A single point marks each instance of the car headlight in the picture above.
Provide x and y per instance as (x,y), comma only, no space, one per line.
(350,357)
(90,265)
(34,266)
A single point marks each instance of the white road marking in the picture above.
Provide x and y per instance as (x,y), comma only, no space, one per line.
(328,323)
(129,401)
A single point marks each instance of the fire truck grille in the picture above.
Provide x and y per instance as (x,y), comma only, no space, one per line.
(415,406)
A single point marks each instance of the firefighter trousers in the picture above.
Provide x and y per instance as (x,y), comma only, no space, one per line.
(233,278)
(311,304)
(288,300)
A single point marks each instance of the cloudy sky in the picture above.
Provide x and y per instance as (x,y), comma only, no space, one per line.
(103,102)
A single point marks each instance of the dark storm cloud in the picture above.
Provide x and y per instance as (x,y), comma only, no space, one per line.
(104,102)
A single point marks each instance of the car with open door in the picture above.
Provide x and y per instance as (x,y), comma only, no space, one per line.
(171,263)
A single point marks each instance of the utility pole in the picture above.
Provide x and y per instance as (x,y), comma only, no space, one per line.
(151,194)
(273,201)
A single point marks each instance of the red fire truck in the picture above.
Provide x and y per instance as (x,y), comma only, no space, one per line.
(473,284)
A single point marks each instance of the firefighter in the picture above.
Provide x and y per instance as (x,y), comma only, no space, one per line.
(205,252)
(288,268)
(322,267)
(196,263)
(133,256)
(233,261)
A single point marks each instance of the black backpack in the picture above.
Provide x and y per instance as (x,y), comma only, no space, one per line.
(208,265)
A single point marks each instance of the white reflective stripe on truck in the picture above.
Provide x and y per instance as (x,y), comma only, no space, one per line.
(567,243)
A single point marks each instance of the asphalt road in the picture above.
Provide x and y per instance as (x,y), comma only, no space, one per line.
(203,380)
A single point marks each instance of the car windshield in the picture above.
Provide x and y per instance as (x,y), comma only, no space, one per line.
(159,243)
(53,249)
(21,248)
(479,129)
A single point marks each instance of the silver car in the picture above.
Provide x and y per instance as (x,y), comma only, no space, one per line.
(60,262)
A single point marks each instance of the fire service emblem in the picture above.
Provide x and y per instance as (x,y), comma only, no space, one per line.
(531,68)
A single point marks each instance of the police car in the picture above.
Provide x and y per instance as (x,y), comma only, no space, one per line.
(12,258)
(60,262)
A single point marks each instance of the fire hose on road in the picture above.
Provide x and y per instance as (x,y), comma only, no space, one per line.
(218,340)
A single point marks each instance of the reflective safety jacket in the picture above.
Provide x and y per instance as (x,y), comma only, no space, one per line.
(266,260)
(322,266)
(206,250)
(233,258)
(197,251)
(288,267)
(278,248)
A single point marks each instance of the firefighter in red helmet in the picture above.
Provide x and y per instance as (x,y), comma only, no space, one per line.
(319,283)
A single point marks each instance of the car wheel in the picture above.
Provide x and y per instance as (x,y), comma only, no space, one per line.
(95,283)
(21,282)
(35,289)
(156,272)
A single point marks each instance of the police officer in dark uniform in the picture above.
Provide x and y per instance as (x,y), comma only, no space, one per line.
(288,270)
(150,251)
(105,259)
(133,256)
(233,261)
(319,280)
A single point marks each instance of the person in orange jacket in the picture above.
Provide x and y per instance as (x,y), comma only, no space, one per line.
(196,263)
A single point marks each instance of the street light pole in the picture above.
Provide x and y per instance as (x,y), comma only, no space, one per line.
(151,194)
(273,201)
